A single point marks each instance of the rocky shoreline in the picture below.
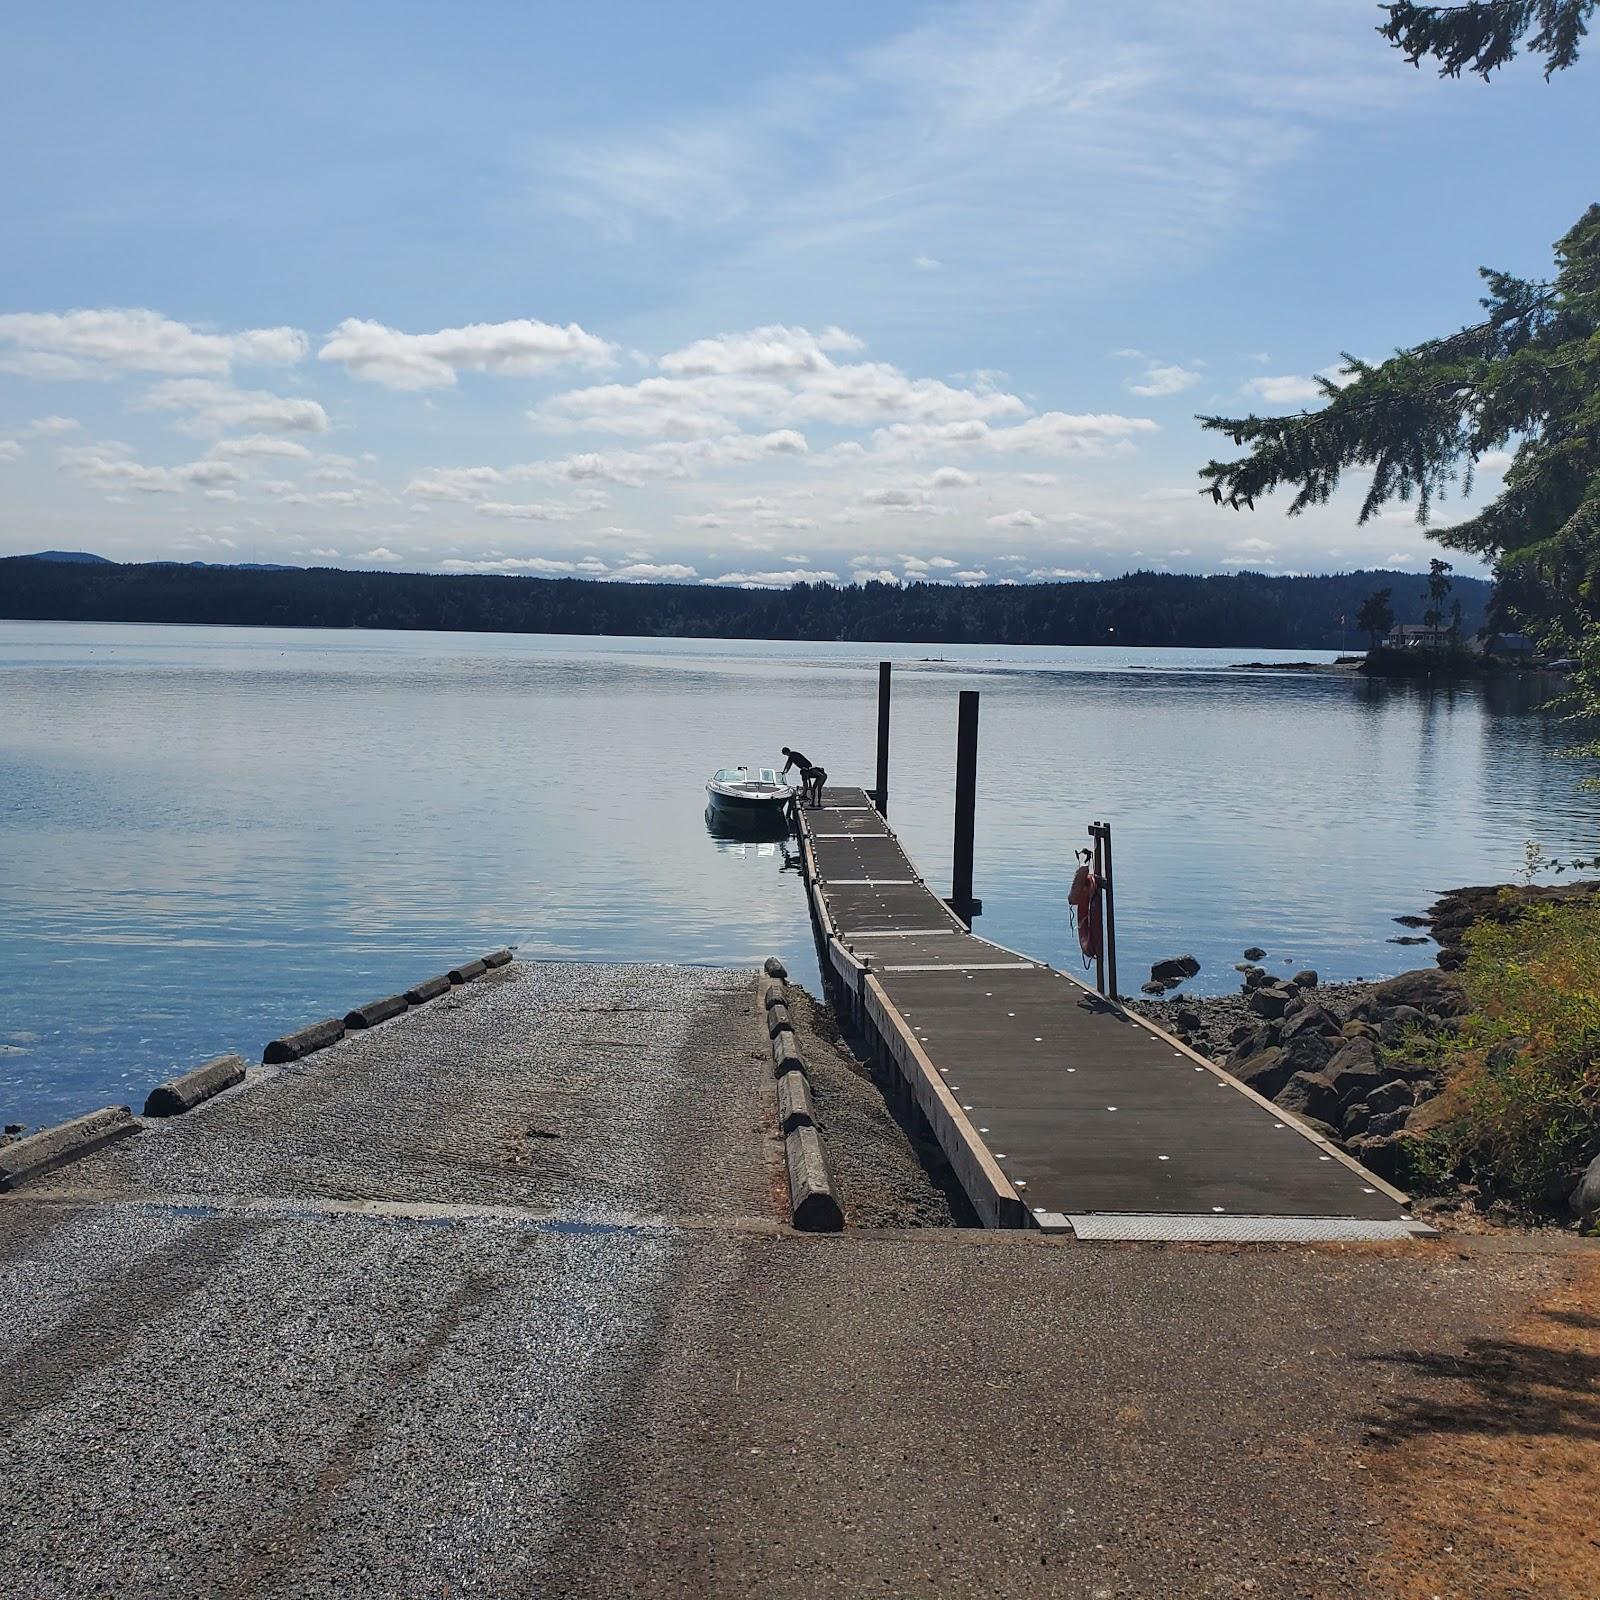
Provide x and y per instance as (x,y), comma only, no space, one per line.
(1359,1062)
(1323,1053)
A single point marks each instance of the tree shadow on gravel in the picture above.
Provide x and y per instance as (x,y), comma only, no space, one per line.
(1497,1387)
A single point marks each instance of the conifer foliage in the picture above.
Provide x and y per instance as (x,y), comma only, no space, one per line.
(1525,379)
(1484,34)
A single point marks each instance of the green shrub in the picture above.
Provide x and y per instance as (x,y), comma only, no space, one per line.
(1523,1076)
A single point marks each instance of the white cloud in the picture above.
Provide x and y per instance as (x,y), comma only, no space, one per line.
(883,575)
(926,263)
(951,478)
(770,352)
(259,447)
(527,510)
(1493,463)
(210,407)
(945,138)
(113,465)
(10,450)
(970,575)
(1255,546)
(1283,391)
(895,498)
(943,562)
(1064,574)
(1054,433)
(773,580)
(325,554)
(379,354)
(649,572)
(777,374)
(85,344)
(54,425)
(1015,519)
(510,564)
(1162,378)
(380,553)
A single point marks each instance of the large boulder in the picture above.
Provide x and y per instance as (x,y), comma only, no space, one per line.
(1266,1072)
(1585,1199)
(1254,953)
(1396,1095)
(1310,1094)
(1382,1153)
(1311,1018)
(1310,1052)
(1432,992)
(1174,969)
(1254,977)
(1257,1037)
(1385,1123)
(1306,979)
(1353,1071)
(1397,1019)
(1271,999)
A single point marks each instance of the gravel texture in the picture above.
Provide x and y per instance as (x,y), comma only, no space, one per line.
(348,1330)
(879,1176)
(606,1090)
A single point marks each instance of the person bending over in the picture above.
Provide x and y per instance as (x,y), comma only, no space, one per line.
(812,777)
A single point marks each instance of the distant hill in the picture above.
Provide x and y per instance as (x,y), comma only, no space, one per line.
(241,566)
(1246,610)
(81,557)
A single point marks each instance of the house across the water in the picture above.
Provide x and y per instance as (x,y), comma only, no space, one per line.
(1418,636)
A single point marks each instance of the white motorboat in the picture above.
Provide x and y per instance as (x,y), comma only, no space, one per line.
(749,795)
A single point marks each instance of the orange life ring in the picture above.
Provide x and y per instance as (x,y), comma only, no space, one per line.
(1084,898)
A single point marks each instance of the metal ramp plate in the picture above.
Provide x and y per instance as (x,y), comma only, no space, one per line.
(1154,1228)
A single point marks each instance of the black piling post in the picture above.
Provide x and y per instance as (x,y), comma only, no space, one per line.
(966,802)
(1109,883)
(881,794)
(1098,834)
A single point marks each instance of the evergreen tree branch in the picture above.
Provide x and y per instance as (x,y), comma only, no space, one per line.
(1482,36)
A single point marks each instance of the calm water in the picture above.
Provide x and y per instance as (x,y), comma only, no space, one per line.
(208,835)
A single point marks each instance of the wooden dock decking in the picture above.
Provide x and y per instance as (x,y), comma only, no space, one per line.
(1056,1108)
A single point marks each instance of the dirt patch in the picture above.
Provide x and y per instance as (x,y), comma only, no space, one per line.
(882,1182)
(1485,1483)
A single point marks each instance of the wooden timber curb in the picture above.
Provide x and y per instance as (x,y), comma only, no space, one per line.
(319,1035)
(42,1152)
(50,1148)
(813,1198)
(189,1089)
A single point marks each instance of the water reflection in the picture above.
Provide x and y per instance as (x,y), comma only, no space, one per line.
(769,824)
(207,835)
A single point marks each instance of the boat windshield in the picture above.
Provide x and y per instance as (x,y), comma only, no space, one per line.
(747,775)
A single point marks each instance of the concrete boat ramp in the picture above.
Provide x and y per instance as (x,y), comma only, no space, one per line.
(1058,1108)
(498,1298)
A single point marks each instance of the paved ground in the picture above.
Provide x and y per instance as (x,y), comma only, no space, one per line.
(352,1330)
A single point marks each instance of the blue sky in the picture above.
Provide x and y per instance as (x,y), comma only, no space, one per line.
(727,293)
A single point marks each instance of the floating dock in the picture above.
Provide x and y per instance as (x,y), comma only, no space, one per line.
(1056,1107)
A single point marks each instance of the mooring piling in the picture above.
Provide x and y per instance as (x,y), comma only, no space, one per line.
(1106,961)
(881,793)
(961,900)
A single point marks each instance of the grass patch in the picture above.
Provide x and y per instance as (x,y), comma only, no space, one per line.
(1520,1108)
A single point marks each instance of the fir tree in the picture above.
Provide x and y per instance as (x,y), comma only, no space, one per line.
(1376,616)
(1525,378)
(1484,34)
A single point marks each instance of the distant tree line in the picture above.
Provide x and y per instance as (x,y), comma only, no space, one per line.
(1245,610)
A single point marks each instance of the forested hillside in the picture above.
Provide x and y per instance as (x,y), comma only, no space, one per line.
(1245,610)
